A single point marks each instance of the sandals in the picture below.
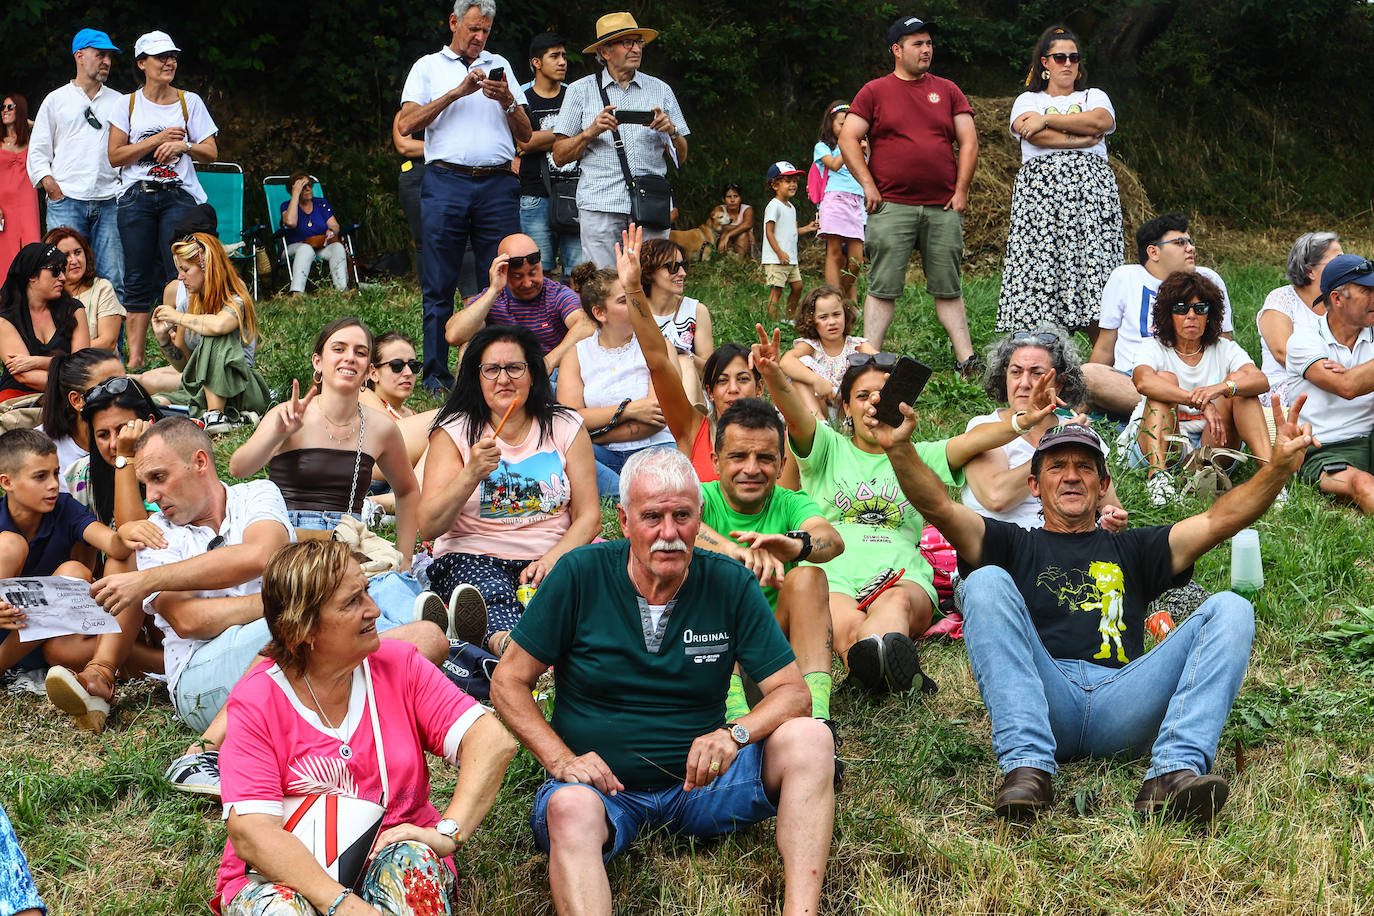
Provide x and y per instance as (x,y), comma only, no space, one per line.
(68,694)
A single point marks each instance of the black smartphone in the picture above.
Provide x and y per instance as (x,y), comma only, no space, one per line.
(498,74)
(627,116)
(903,386)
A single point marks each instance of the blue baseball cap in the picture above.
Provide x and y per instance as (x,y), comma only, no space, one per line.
(782,169)
(92,38)
(1343,269)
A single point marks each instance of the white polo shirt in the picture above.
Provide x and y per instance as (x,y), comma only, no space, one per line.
(473,130)
(245,503)
(1128,302)
(65,145)
(1333,418)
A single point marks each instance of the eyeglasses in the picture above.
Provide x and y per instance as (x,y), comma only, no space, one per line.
(884,361)
(9,106)
(1060,58)
(110,388)
(1357,270)
(492,371)
(398,365)
(674,266)
(1183,241)
(1048,338)
(56,270)
(1183,308)
(520,260)
(630,42)
(169,55)
(92,120)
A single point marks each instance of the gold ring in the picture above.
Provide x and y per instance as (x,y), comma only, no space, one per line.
(715,766)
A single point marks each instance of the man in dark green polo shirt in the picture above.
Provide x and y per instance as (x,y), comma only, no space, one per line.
(769,529)
(642,634)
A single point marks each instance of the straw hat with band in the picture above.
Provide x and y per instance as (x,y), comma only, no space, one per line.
(612,25)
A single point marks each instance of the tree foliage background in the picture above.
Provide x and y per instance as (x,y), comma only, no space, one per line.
(1245,111)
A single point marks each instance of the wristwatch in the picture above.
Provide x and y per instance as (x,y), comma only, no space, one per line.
(738,733)
(510,109)
(120,462)
(805,538)
(449,827)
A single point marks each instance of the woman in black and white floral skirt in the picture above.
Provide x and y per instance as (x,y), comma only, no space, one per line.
(1066,235)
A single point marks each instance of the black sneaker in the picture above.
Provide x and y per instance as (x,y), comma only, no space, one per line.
(904,665)
(866,667)
(839,764)
(971,369)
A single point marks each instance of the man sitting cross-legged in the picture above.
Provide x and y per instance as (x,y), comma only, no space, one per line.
(642,634)
(202,584)
(770,530)
(1054,622)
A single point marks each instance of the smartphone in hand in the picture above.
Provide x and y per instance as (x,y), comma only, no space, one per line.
(499,74)
(629,116)
(904,386)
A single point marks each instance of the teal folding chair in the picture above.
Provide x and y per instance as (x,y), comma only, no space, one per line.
(276,191)
(223,184)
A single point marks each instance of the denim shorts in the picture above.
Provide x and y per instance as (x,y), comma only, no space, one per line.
(735,799)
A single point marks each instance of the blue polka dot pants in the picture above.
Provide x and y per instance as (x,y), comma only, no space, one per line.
(494,577)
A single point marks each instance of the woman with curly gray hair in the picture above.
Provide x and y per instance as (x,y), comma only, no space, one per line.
(1293,307)
(995,481)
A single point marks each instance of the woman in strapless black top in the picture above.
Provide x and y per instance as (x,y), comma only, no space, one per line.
(320,449)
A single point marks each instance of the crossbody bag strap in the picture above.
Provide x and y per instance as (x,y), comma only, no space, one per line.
(619,144)
(376,731)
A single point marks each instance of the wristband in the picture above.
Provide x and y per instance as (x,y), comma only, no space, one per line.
(615,418)
(338,901)
(1231,383)
(1016,427)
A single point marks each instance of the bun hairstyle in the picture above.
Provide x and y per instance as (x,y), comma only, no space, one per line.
(594,285)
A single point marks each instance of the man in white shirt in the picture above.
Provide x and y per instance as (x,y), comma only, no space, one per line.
(1333,366)
(1163,246)
(469,193)
(68,155)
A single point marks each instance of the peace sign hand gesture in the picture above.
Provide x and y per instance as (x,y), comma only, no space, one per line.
(291,414)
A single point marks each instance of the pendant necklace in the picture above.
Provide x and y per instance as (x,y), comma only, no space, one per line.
(344,750)
(344,426)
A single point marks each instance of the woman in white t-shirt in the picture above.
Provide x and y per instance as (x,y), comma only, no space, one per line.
(1194,381)
(606,379)
(153,140)
(1065,237)
(104,314)
(1293,307)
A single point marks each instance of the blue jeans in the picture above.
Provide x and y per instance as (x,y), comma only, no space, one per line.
(455,210)
(146,221)
(98,221)
(733,800)
(1172,701)
(534,222)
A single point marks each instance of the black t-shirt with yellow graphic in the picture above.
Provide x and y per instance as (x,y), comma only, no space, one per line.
(1087,593)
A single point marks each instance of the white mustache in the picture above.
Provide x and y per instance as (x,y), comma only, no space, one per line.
(674,544)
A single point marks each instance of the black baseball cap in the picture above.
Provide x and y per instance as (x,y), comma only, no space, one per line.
(907,25)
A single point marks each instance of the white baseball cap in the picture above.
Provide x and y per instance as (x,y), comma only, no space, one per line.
(153,44)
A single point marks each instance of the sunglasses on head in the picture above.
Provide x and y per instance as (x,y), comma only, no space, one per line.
(884,361)
(1060,58)
(398,365)
(110,388)
(1357,270)
(520,260)
(91,119)
(1183,308)
(1048,338)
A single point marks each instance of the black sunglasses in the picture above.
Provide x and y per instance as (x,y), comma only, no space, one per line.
(674,266)
(884,361)
(92,120)
(216,543)
(398,365)
(1183,308)
(520,260)
(1059,57)
(1047,338)
(110,388)
(1358,270)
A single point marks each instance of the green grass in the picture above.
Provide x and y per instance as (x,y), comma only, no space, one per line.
(914,831)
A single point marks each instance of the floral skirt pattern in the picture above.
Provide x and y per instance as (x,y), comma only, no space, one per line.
(405,879)
(17,890)
(1065,240)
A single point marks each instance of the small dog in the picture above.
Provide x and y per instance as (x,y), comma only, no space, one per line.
(700,243)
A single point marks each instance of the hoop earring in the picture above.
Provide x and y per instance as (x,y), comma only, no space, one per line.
(319,376)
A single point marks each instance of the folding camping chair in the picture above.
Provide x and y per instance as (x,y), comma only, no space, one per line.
(223,184)
(276,191)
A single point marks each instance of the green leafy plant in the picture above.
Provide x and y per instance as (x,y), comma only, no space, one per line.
(1352,638)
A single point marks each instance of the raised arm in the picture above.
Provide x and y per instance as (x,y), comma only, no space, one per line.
(801,422)
(471,318)
(449,481)
(966,446)
(281,423)
(1238,508)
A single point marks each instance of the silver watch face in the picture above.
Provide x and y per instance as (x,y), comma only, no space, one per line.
(740,734)
(448,827)
(120,461)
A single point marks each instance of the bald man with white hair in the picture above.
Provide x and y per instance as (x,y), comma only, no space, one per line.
(520,294)
(642,634)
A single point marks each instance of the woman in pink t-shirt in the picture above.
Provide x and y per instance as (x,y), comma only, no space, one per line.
(510,483)
(307,722)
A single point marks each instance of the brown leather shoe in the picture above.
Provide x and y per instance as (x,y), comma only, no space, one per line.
(1182,795)
(1024,794)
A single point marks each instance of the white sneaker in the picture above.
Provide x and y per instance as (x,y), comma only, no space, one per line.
(1161,489)
(467,615)
(429,606)
(195,773)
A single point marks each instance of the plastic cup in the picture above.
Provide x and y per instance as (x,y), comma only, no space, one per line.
(1247,568)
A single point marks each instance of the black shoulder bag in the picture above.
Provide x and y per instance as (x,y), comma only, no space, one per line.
(562,190)
(651,196)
